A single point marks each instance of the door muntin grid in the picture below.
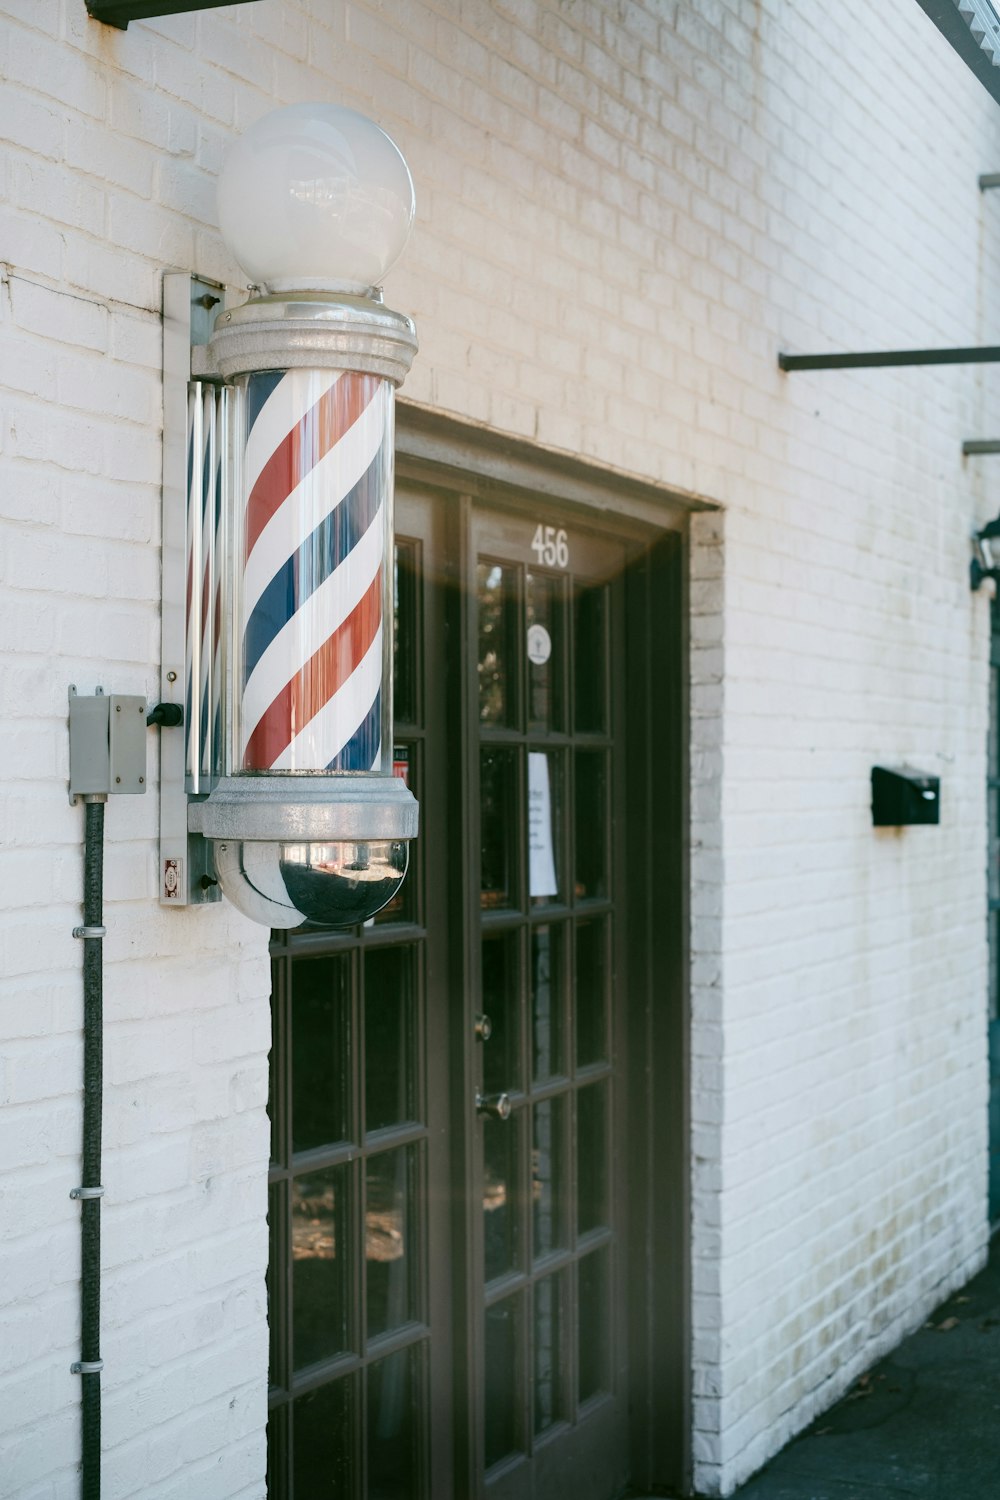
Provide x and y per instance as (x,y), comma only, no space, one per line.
(545,761)
(348,1272)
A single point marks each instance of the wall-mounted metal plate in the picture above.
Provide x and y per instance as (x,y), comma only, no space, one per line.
(127,736)
(187,876)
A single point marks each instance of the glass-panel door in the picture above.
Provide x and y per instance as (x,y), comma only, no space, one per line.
(447,1187)
(545,627)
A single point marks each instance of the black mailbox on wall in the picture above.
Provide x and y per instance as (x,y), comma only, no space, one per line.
(902,795)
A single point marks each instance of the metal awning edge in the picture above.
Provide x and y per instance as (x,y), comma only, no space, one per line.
(955,24)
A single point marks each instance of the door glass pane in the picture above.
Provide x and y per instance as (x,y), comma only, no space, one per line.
(319,1265)
(275,1235)
(502,1360)
(549,1403)
(590,656)
(321,1009)
(590,824)
(548,1176)
(591,989)
(593,1362)
(545,651)
(403,906)
(591,1157)
(393,1417)
(545,821)
(390,1178)
(389,1036)
(274,1091)
(406,640)
(502,1003)
(496,590)
(547,989)
(322,1422)
(499,826)
(501,1208)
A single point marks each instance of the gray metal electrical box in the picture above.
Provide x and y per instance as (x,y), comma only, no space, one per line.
(107,744)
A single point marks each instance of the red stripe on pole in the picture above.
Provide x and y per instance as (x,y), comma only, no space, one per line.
(301,450)
(315,683)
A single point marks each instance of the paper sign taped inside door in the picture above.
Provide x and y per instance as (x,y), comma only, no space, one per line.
(542,865)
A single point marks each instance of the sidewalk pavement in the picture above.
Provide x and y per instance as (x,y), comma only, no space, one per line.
(923,1424)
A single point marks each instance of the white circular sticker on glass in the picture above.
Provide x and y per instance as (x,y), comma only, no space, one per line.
(539,645)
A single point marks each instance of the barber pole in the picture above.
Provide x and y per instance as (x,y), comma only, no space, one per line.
(290,577)
(316,587)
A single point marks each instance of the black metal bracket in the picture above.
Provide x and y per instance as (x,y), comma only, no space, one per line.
(120,12)
(984,355)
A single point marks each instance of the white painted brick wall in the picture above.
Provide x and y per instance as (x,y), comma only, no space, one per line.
(624,212)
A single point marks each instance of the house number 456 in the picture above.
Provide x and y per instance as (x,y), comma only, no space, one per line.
(550,546)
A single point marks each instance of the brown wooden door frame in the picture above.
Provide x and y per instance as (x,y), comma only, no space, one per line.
(654,1024)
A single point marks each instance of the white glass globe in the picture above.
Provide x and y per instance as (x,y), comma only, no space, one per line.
(315,197)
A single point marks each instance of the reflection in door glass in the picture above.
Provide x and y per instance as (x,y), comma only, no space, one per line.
(498,826)
(319,1265)
(593,1363)
(389,1239)
(590,821)
(502,1360)
(547,973)
(389,1002)
(321,1013)
(275,1239)
(501,1002)
(591,1157)
(393,1415)
(548,1402)
(501,1208)
(497,595)
(406,764)
(548,1184)
(322,1422)
(591,1011)
(404,632)
(590,676)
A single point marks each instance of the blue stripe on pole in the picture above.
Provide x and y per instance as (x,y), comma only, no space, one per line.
(360,751)
(333,539)
(259,387)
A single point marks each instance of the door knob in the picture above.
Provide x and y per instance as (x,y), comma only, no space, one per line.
(497,1105)
(483,1028)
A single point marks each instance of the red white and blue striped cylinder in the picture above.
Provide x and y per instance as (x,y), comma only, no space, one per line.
(316,586)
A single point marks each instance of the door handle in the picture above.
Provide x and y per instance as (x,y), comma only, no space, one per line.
(496,1105)
(483,1028)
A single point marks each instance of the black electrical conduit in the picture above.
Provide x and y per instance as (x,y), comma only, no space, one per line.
(90,1192)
